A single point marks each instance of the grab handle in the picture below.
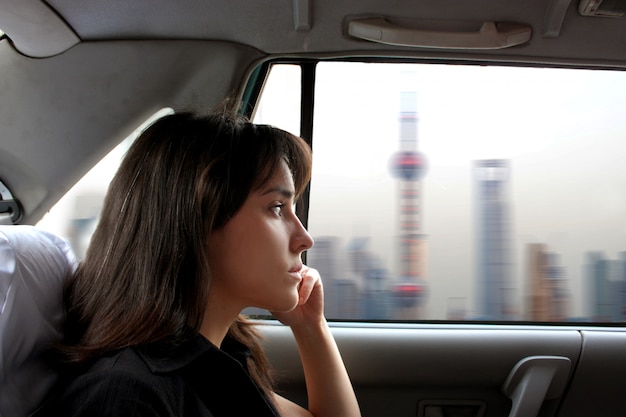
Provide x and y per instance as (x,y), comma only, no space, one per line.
(490,35)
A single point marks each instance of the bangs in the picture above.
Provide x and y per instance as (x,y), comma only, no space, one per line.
(283,146)
(247,156)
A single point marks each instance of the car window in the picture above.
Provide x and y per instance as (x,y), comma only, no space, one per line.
(453,192)
(280,102)
(76,214)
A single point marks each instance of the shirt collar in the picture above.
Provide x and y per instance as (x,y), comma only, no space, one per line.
(163,358)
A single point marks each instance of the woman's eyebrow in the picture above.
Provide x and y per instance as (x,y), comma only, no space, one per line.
(280,190)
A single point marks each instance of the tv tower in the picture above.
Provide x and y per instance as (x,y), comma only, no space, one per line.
(408,166)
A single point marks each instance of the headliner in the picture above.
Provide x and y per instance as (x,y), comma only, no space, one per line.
(559,32)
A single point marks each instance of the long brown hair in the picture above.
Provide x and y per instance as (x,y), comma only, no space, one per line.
(145,277)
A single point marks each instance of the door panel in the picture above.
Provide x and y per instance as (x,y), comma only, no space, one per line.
(599,387)
(411,370)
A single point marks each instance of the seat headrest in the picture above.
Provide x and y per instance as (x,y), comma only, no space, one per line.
(33,266)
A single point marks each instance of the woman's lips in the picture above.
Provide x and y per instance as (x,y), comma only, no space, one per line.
(295,272)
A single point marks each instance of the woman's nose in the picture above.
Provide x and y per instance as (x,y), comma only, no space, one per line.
(301,239)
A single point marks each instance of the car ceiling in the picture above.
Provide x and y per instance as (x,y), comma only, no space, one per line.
(560,32)
(80,76)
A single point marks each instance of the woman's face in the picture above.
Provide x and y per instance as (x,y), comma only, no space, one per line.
(255,258)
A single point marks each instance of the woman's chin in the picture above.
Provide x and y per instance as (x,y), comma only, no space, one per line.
(286,306)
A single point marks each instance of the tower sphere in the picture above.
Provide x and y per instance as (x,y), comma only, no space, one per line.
(408,165)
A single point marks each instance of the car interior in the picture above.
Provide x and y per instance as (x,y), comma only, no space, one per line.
(468,189)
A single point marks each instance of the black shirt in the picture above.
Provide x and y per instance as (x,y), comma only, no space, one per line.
(195,379)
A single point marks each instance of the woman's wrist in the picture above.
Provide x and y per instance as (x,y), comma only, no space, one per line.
(311,330)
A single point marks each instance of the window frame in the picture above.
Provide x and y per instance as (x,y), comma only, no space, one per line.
(252,94)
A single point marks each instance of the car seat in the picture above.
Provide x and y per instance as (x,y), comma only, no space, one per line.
(33,266)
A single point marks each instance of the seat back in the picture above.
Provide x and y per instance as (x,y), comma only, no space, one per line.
(33,266)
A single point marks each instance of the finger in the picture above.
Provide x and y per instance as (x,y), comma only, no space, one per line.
(306,288)
(310,277)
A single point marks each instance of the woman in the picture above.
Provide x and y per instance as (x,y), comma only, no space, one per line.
(197,225)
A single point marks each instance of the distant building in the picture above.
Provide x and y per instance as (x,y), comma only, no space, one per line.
(548,296)
(621,289)
(607,287)
(341,287)
(341,294)
(493,239)
(375,302)
(408,167)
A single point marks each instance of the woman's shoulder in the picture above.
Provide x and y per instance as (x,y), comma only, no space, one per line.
(162,379)
(118,384)
(127,364)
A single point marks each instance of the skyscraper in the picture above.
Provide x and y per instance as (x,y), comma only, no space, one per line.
(607,287)
(341,290)
(548,296)
(493,239)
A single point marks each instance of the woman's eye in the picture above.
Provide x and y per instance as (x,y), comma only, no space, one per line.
(278,209)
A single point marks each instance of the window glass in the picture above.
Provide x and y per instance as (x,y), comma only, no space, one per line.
(76,214)
(452,192)
(279,104)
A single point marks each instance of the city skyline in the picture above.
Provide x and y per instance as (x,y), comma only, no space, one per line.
(567,173)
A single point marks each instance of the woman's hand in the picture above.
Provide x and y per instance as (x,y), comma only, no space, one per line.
(310,308)
(329,389)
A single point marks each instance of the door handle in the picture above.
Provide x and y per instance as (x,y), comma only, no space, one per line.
(533,380)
